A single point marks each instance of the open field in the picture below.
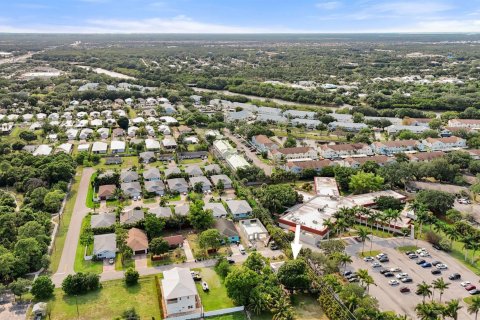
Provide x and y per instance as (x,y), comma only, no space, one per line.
(108,302)
(216,298)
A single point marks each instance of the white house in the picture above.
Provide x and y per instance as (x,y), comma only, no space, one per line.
(294,153)
(345,150)
(43,150)
(179,291)
(96,123)
(117,146)
(393,129)
(82,123)
(464,123)
(392,147)
(132,131)
(103,132)
(99,147)
(443,144)
(105,246)
(347,126)
(71,134)
(85,133)
(152,145)
(83,147)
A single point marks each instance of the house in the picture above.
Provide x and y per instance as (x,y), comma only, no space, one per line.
(132,131)
(113,160)
(307,123)
(227,229)
(394,129)
(43,150)
(206,184)
(218,210)
(103,132)
(300,166)
(191,140)
(345,150)
(443,144)
(172,171)
(81,124)
(184,129)
(193,171)
(356,162)
(347,126)
(152,145)
(151,174)
(84,147)
(131,189)
(107,191)
(129,176)
(168,120)
(425,156)
(71,134)
(236,162)
(392,147)
(179,292)
(132,216)
(52,137)
(222,149)
(137,241)
(306,153)
(105,246)
(103,220)
(263,143)
(474,153)
(212,169)
(161,212)
(147,156)
(464,123)
(299,114)
(174,241)
(227,183)
(99,147)
(155,186)
(118,132)
(193,155)
(96,123)
(239,208)
(179,185)
(182,210)
(340,117)
(117,146)
(253,229)
(169,143)
(65,147)
(85,133)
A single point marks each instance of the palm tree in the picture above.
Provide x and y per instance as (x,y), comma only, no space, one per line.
(259,302)
(441,285)
(363,235)
(344,259)
(351,302)
(426,311)
(362,275)
(423,289)
(329,224)
(467,245)
(405,232)
(474,306)
(282,309)
(369,281)
(452,235)
(451,309)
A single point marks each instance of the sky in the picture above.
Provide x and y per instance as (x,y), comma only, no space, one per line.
(239,16)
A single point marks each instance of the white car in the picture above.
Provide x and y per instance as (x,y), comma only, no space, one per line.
(441,266)
(397,269)
(421,250)
(376,265)
(424,254)
(401,275)
(205,286)
(381,255)
(368,259)
(393,282)
(465,283)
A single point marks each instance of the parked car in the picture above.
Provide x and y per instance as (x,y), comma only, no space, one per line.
(230,260)
(111,261)
(435,262)
(384,259)
(436,272)
(455,276)
(274,246)
(396,269)
(424,254)
(393,282)
(406,280)
(389,275)
(376,265)
(346,273)
(426,265)
(380,255)
(368,259)
(404,289)
(419,262)
(441,266)
(465,283)
(474,292)
(470,287)
(413,256)
(409,253)
(402,275)
(353,279)
(352,275)
(383,271)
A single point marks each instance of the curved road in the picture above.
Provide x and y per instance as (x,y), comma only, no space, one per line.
(80,210)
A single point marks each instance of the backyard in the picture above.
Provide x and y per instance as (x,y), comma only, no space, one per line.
(216,298)
(109,302)
(82,265)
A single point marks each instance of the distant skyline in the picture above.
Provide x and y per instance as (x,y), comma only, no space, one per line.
(238,16)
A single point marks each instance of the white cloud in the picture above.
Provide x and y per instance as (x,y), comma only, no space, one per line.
(406,8)
(178,24)
(328,5)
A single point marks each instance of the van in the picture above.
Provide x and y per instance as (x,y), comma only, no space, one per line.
(241,249)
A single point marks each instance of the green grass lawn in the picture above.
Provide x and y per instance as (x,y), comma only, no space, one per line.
(190,161)
(231,316)
(149,200)
(90,194)
(216,298)
(372,253)
(82,265)
(307,307)
(378,233)
(109,302)
(407,248)
(64,223)
(127,162)
(129,263)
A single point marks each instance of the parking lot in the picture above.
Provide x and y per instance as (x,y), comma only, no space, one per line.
(390,297)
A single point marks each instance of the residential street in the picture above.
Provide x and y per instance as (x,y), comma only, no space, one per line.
(251,155)
(80,210)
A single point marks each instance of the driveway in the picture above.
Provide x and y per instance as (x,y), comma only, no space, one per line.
(251,155)
(140,261)
(80,210)
(107,267)
(10,310)
(188,251)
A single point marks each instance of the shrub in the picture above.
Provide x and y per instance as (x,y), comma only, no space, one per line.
(432,237)
(131,277)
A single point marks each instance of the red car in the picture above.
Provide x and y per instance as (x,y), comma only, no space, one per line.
(404,290)
(470,287)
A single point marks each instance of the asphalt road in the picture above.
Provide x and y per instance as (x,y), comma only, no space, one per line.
(390,297)
(251,155)
(80,210)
